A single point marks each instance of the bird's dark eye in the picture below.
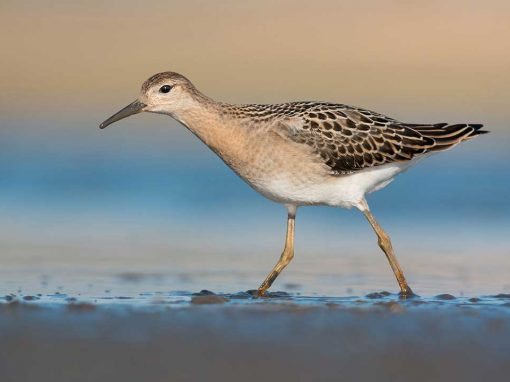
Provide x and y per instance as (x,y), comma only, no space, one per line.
(165,89)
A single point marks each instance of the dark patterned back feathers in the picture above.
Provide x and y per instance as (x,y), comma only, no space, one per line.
(349,139)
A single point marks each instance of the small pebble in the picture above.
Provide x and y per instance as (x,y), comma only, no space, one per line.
(204,292)
(445,296)
(30,298)
(502,295)
(375,295)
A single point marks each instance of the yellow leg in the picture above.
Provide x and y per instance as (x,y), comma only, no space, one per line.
(385,244)
(285,258)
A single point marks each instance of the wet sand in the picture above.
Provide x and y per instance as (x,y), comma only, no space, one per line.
(209,337)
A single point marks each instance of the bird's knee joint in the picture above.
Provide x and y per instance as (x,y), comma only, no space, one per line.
(288,256)
(384,241)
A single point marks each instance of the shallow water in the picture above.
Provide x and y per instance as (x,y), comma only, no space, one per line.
(142,279)
(160,300)
(127,289)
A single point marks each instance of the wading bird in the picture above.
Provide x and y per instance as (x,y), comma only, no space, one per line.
(302,153)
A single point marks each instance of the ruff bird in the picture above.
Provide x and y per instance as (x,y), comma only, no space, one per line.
(302,153)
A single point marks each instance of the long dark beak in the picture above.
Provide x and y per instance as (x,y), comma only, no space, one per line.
(133,108)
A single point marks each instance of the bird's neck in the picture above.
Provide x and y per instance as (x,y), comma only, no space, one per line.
(209,121)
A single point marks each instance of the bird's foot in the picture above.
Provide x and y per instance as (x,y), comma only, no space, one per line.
(406,292)
(260,292)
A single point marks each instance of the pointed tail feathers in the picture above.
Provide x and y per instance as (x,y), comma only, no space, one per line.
(446,136)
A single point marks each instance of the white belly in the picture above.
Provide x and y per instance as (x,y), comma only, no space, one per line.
(345,191)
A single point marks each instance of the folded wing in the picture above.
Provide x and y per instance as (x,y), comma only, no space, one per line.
(350,139)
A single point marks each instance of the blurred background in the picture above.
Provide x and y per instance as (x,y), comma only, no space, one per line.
(145,200)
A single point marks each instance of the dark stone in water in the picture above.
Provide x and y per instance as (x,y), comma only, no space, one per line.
(30,298)
(375,295)
(204,292)
(209,299)
(445,296)
(474,299)
(502,295)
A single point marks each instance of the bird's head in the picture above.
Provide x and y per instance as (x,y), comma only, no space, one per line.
(164,93)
